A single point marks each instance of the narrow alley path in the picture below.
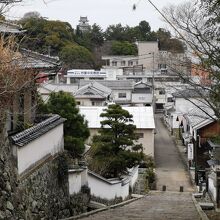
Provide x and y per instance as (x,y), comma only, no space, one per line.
(158,205)
(169,166)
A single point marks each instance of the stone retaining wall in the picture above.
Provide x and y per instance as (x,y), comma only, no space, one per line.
(40,194)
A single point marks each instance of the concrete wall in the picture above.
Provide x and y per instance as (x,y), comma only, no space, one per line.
(148,50)
(48,144)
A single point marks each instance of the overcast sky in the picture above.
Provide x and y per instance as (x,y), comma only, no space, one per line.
(101,12)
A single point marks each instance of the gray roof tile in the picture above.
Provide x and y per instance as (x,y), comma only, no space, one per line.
(30,134)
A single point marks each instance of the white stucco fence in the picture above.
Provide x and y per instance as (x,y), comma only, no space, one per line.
(77,178)
(212,188)
(111,188)
(133,176)
(46,144)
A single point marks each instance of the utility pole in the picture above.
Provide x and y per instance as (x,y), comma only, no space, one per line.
(196,145)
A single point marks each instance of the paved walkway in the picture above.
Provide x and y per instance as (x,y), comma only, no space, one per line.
(155,206)
(169,165)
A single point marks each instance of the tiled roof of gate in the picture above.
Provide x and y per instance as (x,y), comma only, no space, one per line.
(30,134)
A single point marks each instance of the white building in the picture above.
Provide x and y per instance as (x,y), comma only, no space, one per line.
(143,119)
(74,75)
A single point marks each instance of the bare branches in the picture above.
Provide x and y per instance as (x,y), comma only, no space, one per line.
(192,20)
(13,79)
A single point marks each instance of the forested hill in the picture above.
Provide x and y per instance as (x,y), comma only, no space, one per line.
(84,49)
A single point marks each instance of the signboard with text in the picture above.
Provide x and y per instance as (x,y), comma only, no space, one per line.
(190,151)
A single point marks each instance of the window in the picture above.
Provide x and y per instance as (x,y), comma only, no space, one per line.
(141,98)
(130,63)
(114,63)
(122,63)
(169,99)
(161,92)
(140,135)
(162,66)
(163,71)
(122,95)
(78,103)
(96,103)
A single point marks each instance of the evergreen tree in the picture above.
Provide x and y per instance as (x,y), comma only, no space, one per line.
(116,147)
(75,126)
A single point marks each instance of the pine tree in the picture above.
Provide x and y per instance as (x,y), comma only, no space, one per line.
(116,147)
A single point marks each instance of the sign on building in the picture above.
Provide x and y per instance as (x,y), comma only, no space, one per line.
(190,151)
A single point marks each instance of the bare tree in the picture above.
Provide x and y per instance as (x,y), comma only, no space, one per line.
(14,79)
(197,24)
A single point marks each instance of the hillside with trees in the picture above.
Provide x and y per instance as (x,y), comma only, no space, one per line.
(78,49)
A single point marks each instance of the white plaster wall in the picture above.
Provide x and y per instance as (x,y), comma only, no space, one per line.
(84,102)
(134,176)
(123,191)
(49,143)
(104,190)
(84,177)
(142,98)
(147,141)
(93,132)
(88,102)
(175,123)
(212,188)
(116,98)
(75,182)
(112,73)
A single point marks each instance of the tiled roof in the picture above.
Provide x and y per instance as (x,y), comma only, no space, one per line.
(95,87)
(112,84)
(71,88)
(30,134)
(200,117)
(31,59)
(189,93)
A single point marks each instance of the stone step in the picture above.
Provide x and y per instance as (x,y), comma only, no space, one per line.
(207,205)
(198,195)
(96,205)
